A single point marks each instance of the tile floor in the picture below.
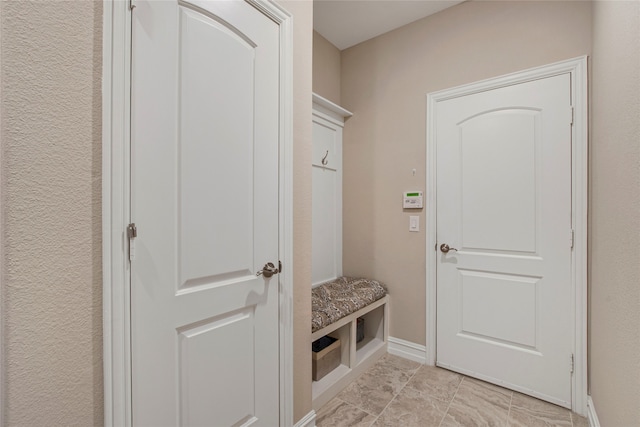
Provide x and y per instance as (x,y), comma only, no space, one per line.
(400,393)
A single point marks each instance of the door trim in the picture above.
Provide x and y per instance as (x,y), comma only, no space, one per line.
(577,67)
(116,54)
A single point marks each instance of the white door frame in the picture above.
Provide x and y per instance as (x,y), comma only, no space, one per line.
(577,67)
(116,107)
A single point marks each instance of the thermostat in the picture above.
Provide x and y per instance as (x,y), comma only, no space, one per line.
(412,200)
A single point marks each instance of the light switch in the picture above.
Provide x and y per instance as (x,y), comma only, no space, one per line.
(414,223)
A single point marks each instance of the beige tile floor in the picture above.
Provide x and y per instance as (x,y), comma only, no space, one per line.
(400,393)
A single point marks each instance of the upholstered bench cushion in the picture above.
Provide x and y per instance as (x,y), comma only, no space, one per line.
(334,300)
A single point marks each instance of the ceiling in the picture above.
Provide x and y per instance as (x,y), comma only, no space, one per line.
(346,23)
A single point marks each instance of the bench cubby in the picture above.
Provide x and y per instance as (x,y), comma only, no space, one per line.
(355,357)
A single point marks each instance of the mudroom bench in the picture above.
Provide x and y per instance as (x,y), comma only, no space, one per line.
(354,311)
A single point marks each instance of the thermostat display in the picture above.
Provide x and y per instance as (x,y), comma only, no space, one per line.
(412,200)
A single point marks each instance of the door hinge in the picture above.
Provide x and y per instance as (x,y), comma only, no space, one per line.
(132,233)
(571,112)
(131,5)
(572,363)
(572,238)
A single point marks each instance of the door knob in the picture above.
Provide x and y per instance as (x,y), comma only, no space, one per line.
(268,270)
(445,248)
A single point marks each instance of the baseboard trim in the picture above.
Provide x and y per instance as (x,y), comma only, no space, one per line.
(308,420)
(591,413)
(407,349)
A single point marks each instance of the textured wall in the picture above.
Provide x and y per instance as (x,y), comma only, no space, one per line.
(302,12)
(384,83)
(615,213)
(51,130)
(326,68)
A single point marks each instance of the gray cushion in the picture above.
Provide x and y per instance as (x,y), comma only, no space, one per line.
(334,300)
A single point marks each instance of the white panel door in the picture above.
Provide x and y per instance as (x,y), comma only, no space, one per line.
(327,201)
(204,184)
(504,310)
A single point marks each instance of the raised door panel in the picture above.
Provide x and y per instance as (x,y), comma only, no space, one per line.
(216,370)
(486,315)
(215,151)
(499,151)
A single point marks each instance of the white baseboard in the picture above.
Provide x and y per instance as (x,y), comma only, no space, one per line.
(591,413)
(408,350)
(308,420)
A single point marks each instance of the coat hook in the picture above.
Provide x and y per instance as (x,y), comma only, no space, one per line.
(324,159)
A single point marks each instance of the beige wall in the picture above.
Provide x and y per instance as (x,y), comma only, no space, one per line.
(51,131)
(302,50)
(51,134)
(384,83)
(326,68)
(615,213)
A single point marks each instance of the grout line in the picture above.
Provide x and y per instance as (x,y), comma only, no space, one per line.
(362,409)
(396,395)
(451,401)
(356,407)
(356,380)
(509,412)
